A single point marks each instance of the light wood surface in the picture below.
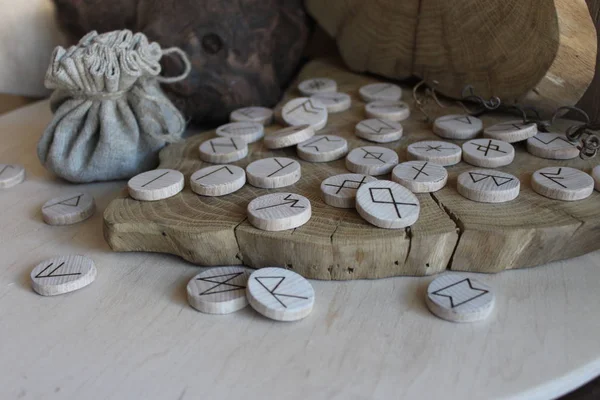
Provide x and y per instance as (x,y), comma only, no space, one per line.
(542,50)
(219,290)
(155,185)
(488,153)
(511,131)
(458,298)
(11,175)
(488,186)
(304,110)
(279,211)
(218,180)
(62,275)
(337,243)
(317,85)
(390,110)
(223,150)
(69,208)
(262,115)
(290,136)
(323,148)
(443,153)
(371,160)
(145,340)
(379,130)
(247,131)
(380,91)
(457,126)
(420,176)
(554,146)
(335,102)
(387,205)
(273,172)
(562,183)
(280,294)
(340,190)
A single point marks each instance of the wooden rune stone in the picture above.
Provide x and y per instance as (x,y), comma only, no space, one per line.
(452,232)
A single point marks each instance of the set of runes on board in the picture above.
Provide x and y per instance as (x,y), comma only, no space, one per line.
(384,203)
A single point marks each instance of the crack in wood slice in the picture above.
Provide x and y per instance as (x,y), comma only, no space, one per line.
(336,243)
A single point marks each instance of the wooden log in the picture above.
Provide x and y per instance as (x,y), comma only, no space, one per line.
(503,48)
(452,232)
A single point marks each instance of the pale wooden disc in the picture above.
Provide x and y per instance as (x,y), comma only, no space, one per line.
(457,126)
(596,176)
(511,131)
(488,153)
(441,153)
(335,102)
(155,185)
(220,290)
(317,85)
(271,173)
(562,183)
(322,148)
(340,190)
(223,150)
(62,275)
(554,146)
(488,186)
(371,160)
(420,176)
(290,136)
(380,91)
(279,211)
(249,132)
(379,130)
(11,175)
(262,115)
(459,299)
(387,204)
(280,294)
(390,110)
(68,209)
(303,110)
(218,180)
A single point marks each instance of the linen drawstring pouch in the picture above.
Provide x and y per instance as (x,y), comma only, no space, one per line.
(111,117)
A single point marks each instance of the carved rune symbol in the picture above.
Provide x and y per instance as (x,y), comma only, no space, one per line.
(384,126)
(460,292)
(372,155)
(317,84)
(313,143)
(213,145)
(278,280)
(307,106)
(485,149)
(155,179)
(52,274)
(548,143)
(289,200)
(71,202)
(420,171)
(437,148)
(498,180)
(5,168)
(391,201)
(282,167)
(216,171)
(381,89)
(224,284)
(349,181)
(554,177)
(247,112)
(464,119)
(506,127)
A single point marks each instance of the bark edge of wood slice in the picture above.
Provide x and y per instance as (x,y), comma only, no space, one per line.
(451,233)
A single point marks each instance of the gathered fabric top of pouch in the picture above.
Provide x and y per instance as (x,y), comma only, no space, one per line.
(109,63)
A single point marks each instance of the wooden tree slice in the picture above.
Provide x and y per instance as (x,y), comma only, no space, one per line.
(504,48)
(451,232)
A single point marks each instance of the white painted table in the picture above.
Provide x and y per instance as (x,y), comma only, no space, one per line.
(132,334)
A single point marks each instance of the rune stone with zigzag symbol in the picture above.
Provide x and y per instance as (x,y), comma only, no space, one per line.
(350,181)
(391,201)
(498,180)
(312,144)
(226,286)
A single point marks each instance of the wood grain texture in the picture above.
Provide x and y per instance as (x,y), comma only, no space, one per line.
(279,211)
(68,209)
(488,186)
(542,49)
(62,275)
(155,185)
(511,131)
(218,180)
(554,146)
(562,183)
(337,243)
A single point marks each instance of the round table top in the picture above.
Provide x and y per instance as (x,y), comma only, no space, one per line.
(132,334)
